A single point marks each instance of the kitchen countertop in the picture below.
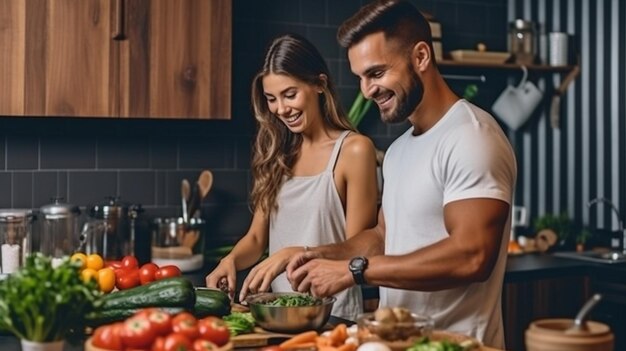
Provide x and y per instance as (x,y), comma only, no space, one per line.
(519,268)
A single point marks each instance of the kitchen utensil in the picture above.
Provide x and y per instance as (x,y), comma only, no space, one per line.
(194,201)
(580,323)
(288,319)
(15,238)
(185,191)
(204,184)
(568,335)
(516,103)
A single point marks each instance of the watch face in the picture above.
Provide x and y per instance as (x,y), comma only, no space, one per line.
(357,263)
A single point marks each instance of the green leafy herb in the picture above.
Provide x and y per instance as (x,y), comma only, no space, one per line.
(239,323)
(295,300)
(42,303)
(425,344)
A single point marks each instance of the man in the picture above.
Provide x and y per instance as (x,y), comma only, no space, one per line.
(439,247)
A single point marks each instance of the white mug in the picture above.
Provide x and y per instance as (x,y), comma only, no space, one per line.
(517,103)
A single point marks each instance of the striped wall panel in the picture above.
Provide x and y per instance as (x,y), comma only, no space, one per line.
(561,169)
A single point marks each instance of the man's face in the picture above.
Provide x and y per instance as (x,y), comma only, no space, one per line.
(387,76)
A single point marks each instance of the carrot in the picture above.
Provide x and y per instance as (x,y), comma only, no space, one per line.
(327,348)
(296,341)
(347,347)
(339,334)
(301,346)
(322,341)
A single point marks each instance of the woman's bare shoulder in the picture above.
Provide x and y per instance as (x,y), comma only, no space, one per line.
(357,146)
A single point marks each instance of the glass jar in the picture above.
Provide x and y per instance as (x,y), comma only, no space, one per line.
(15,238)
(59,228)
(522,41)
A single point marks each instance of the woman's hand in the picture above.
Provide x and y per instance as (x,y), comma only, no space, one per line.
(262,275)
(224,277)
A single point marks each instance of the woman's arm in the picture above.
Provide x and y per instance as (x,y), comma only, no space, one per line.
(246,253)
(355,176)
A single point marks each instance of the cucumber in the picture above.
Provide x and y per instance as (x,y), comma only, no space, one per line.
(211,302)
(101,317)
(171,292)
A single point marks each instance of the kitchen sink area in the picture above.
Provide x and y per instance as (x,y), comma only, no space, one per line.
(610,257)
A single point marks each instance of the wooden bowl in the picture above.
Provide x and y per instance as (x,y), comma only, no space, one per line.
(89,346)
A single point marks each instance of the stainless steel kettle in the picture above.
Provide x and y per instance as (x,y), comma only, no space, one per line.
(124,232)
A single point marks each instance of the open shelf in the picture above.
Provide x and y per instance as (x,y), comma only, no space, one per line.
(505,66)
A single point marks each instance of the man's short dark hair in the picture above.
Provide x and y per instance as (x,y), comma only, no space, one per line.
(397,19)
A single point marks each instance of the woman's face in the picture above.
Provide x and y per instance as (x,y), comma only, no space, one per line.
(294,102)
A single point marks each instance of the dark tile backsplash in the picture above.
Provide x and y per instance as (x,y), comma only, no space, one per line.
(143,161)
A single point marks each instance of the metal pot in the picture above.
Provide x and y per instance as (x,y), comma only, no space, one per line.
(126,234)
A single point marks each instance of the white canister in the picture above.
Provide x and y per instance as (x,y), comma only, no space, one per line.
(558,48)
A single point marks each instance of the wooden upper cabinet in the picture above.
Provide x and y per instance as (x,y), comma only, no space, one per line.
(116,58)
(178,59)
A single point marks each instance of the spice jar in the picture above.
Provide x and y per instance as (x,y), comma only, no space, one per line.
(522,41)
(15,238)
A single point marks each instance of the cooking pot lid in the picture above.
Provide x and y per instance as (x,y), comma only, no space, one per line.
(15,214)
(59,209)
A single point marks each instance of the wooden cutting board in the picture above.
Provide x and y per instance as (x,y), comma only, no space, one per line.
(260,337)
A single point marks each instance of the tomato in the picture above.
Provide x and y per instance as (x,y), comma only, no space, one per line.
(81,257)
(147,273)
(95,261)
(106,280)
(167,272)
(204,345)
(113,264)
(137,332)
(130,262)
(214,329)
(158,344)
(161,321)
(176,342)
(108,337)
(127,279)
(185,323)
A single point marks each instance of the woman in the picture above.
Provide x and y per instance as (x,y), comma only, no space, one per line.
(314,177)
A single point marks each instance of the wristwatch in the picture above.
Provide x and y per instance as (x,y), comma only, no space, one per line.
(357,266)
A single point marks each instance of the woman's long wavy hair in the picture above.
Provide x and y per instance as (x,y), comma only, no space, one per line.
(276,148)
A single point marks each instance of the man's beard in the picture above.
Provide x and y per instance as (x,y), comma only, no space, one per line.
(408,103)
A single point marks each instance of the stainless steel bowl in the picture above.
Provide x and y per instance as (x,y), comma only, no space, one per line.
(288,319)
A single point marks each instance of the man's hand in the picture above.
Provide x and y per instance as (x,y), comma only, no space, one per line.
(320,277)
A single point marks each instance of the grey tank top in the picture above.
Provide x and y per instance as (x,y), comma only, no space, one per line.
(310,213)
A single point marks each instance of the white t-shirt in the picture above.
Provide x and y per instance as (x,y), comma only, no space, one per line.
(465,155)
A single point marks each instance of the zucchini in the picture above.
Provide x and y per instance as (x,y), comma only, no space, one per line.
(101,317)
(171,292)
(211,302)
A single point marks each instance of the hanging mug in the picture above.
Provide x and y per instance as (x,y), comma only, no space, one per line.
(516,103)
